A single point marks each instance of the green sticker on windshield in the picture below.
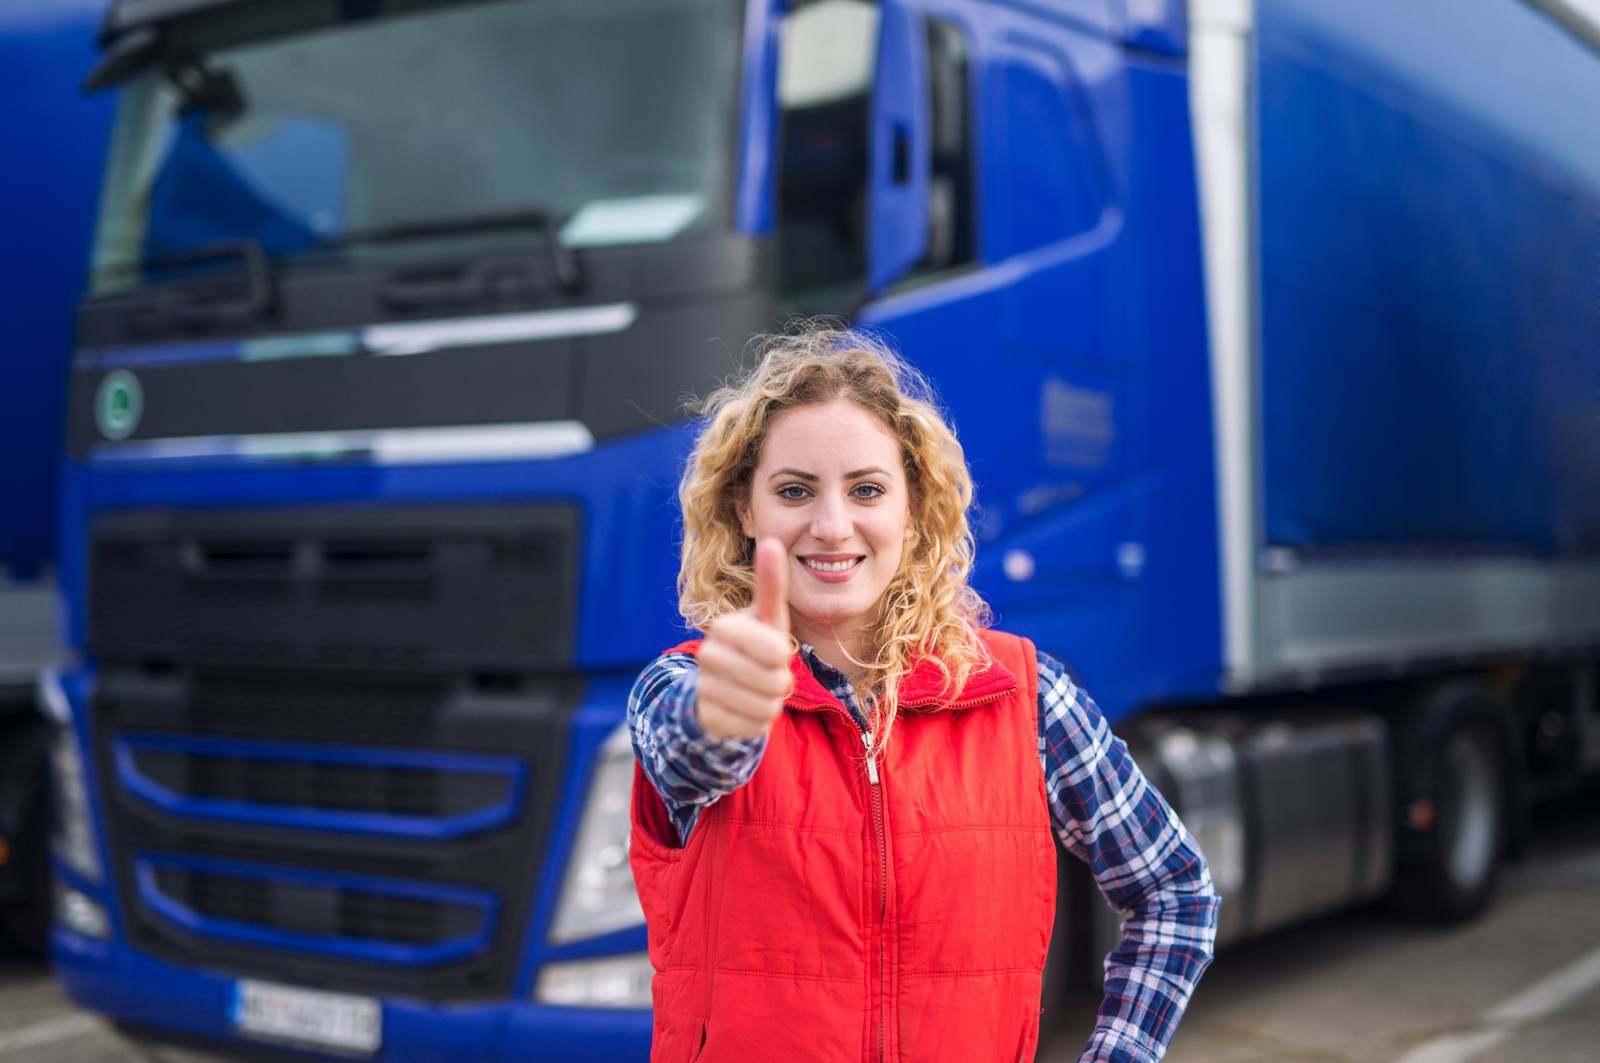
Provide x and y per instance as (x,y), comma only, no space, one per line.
(118,404)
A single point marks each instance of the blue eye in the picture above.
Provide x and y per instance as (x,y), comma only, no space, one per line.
(793,492)
(867,491)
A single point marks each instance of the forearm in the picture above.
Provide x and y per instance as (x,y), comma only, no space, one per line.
(688,767)
(1151,976)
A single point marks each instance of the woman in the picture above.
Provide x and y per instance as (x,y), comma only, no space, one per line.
(846,790)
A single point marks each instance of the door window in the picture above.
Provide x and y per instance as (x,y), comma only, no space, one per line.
(828,61)
(1053,183)
(826,64)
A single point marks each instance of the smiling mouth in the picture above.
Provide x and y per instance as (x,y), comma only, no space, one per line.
(832,566)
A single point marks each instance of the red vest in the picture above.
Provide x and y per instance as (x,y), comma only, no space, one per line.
(815,916)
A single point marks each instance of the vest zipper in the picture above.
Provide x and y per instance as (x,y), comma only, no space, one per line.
(968,703)
(883,883)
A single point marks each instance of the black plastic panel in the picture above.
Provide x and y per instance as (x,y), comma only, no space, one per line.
(698,301)
(502,384)
(319,786)
(318,911)
(472,588)
(527,720)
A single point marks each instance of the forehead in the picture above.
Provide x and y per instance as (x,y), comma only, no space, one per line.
(835,435)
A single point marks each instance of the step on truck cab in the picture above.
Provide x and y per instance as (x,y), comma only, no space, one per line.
(1268,329)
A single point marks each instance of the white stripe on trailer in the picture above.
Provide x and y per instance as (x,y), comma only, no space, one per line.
(1220,91)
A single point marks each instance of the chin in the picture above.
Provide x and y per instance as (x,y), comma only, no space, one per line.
(836,613)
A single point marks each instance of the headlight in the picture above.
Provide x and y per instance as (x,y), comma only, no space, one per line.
(81,914)
(72,832)
(612,982)
(598,895)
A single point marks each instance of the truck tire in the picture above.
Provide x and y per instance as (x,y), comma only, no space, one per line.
(1455,765)
(25,921)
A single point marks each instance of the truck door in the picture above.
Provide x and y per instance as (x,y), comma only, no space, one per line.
(997,261)
(899,154)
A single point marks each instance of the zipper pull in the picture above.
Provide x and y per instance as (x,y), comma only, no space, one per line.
(872,765)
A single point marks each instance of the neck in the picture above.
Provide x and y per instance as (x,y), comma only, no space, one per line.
(838,646)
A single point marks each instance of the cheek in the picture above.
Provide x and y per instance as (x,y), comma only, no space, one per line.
(768,519)
(891,537)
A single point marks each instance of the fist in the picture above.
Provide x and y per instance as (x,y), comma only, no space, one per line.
(744,661)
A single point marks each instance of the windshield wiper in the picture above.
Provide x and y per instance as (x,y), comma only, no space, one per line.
(186,309)
(561,256)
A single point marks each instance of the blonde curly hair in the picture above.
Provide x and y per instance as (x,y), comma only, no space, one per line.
(928,609)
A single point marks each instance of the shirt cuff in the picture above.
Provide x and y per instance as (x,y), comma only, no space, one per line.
(723,760)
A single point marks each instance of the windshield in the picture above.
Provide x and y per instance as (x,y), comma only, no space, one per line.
(322,127)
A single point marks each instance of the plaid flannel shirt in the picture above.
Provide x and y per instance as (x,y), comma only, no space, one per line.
(1103,809)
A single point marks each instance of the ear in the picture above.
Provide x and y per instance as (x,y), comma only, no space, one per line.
(742,507)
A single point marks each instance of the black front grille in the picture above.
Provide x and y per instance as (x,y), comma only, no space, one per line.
(525,723)
(320,911)
(288,782)
(346,710)
(407,589)
(285,693)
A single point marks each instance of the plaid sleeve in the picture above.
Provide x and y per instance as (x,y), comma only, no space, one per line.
(1145,863)
(689,768)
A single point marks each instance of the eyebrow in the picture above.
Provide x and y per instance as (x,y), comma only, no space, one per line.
(857,474)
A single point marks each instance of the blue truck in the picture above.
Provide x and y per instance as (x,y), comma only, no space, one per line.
(1268,325)
(47,195)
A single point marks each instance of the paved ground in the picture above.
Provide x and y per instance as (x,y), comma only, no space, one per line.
(1520,984)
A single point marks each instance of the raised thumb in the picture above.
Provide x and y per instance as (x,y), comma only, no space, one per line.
(772,584)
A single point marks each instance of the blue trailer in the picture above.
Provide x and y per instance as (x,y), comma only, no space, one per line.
(1269,328)
(46,213)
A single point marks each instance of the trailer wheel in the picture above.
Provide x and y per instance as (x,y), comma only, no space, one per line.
(1455,811)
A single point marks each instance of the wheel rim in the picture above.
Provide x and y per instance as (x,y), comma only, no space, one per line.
(1469,767)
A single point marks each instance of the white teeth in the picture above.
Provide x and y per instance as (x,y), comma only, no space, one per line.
(830,566)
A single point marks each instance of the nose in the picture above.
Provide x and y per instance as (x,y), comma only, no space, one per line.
(830,520)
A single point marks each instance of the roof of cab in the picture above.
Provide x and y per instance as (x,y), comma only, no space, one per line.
(124,15)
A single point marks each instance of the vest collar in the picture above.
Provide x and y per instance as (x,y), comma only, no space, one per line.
(923,688)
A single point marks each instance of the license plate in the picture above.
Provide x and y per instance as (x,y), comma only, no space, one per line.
(307,1016)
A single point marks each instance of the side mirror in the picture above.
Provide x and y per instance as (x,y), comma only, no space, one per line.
(123,58)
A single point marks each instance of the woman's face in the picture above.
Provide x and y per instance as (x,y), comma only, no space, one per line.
(831,487)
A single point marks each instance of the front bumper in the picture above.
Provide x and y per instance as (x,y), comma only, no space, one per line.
(129,987)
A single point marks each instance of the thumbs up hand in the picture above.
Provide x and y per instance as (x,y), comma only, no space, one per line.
(744,661)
